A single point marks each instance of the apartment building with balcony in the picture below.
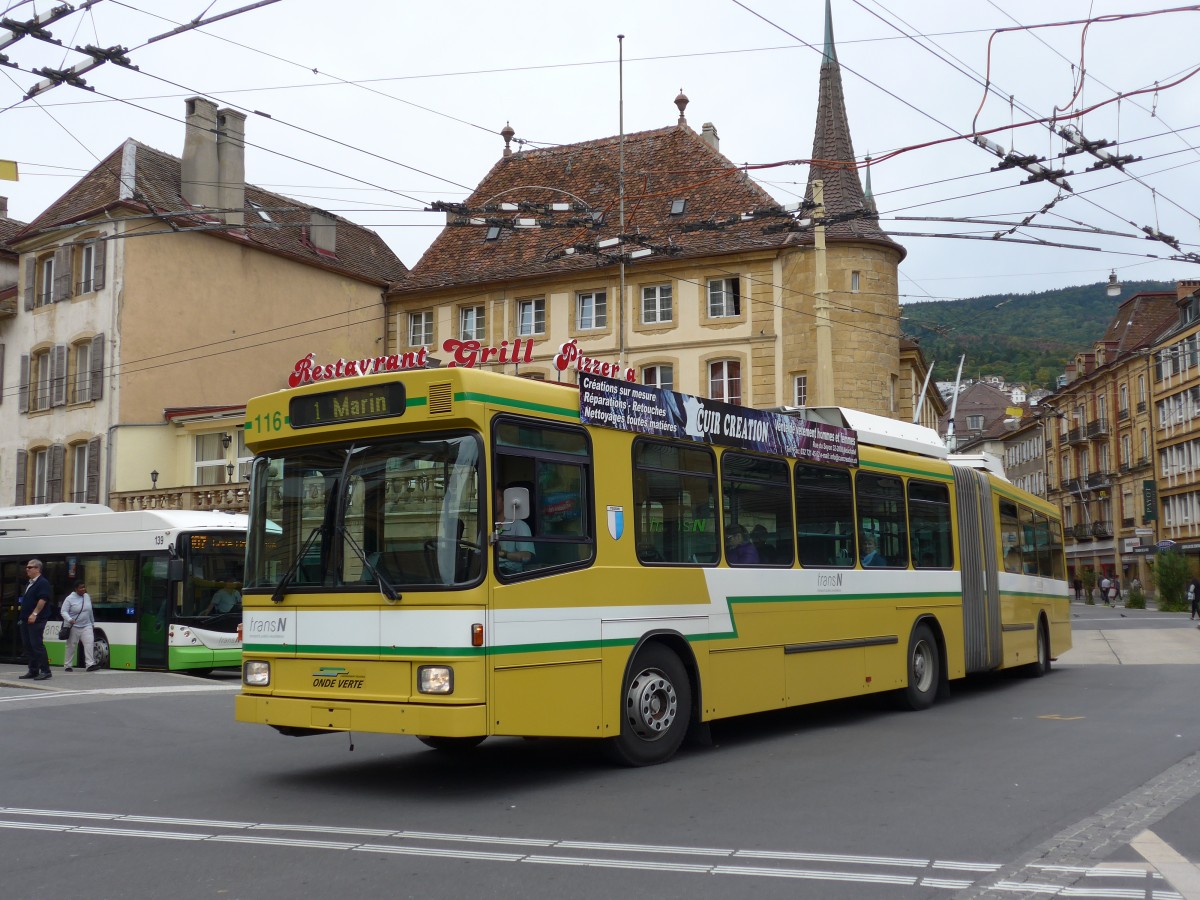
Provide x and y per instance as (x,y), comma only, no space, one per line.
(1176,422)
(1099,441)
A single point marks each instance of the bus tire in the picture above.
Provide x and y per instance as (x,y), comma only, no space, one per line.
(101,653)
(656,708)
(1041,666)
(923,665)
(450,744)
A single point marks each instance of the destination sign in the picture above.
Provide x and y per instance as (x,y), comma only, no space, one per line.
(650,410)
(376,401)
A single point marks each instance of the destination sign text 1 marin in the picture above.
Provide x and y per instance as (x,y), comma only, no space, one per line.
(376,401)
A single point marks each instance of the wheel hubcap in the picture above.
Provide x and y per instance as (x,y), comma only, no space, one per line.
(651,704)
(922,670)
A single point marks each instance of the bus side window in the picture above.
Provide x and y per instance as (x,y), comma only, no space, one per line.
(675,506)
(880,503)
(1010,537)
(824,517)
(929,521)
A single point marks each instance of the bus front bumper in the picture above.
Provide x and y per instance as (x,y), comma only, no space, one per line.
(304,714)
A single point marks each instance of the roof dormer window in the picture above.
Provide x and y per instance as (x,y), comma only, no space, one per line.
(678,206)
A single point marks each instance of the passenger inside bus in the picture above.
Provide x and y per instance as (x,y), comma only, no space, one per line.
(225,599)
(512,556)
(870,555)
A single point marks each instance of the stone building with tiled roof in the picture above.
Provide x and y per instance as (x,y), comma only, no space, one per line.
(158,283)
(655,252)
(9,262)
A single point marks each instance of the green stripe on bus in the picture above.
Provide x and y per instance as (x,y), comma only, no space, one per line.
(518,404)
(923,473)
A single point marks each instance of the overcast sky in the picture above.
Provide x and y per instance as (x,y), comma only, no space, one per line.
(378,107)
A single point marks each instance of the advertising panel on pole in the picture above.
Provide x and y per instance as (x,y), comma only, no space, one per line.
(628,406)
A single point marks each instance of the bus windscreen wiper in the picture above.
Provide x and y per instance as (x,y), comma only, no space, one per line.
(385,586)
(281,588)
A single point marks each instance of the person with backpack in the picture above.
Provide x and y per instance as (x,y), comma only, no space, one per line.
(78,614)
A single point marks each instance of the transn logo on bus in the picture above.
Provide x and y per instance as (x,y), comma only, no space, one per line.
(829,582)
(334,677)
(265,626)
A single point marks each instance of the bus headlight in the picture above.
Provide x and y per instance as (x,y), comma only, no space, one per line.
(256,673)
(435,680)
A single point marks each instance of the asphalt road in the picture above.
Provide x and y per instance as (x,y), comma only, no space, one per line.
(1081,784)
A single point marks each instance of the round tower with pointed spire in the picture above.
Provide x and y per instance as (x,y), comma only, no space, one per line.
(861,266)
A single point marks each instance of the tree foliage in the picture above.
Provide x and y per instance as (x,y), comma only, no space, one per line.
(1171,576)
(1025,338)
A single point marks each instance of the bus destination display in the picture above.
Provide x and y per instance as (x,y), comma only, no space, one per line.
(375,401)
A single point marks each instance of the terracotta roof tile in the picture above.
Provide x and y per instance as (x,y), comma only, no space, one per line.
(360,252)
(660,166)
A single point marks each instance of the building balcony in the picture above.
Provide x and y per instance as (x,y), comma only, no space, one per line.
(1081,532)
(1141,407)
(1127,523)
(1098,480)
(1098,428)
(1122,414)
(1072,485)
(1125,468)
(1077,435)
(1143,462)
(231,498)
(1102,529)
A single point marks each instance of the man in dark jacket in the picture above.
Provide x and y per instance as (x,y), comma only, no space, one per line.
(35,610)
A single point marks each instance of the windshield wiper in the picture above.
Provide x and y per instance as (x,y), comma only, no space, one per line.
(281,588)
(385,586)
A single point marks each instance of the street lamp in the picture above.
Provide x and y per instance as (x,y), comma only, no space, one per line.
(229,473)
(1113,289)
(154,480)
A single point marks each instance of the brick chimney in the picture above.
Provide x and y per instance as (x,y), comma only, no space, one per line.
(199,174)
(709,133)
(231,164)
(3,207)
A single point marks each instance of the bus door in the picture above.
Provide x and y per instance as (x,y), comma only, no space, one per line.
(153,611)
(12,583)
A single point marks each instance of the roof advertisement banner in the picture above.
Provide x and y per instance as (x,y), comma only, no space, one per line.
(640,408)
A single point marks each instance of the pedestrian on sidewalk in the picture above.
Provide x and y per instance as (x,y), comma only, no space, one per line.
(1078,585)
(77,612)
(1193,593)
(1114,590)
(35,610)
(1104,584)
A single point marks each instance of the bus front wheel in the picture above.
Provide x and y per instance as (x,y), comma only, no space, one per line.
(656,708)
(1040,666)
(100,650)
(924,669)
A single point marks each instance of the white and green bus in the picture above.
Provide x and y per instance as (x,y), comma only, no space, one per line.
(152,576)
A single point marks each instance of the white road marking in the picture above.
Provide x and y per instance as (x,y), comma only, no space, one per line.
(1175,868)
(638,857)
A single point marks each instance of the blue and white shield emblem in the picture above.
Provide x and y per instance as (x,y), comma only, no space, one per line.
(616,521)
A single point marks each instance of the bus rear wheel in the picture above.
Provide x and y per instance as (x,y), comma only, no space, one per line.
(450,744)
(924,669)
(656,707)
(1041,666)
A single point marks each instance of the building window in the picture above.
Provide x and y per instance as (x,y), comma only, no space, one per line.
(800,390)
(472,323)
(79,473)
(725,381)
(591,310)
(974,423)
(420,328)
(659,376)
(531,317)
(45,287)
(724,298)
(81,373)
(855,282)
(39,483)
(656,304)
(210,459)
(39,381)
(87,267)
(1124,399)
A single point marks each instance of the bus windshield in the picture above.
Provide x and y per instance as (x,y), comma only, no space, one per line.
(406,510)
(213,580)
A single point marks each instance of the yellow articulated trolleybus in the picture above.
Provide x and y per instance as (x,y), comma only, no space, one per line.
(453,554)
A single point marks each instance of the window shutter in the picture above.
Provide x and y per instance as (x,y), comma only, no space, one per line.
(93,471)
(97,385)
(22,465)
(23,389)
(58,375)
(31,268)
(99,248)
(1,373)
(54,480)
(63,272)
